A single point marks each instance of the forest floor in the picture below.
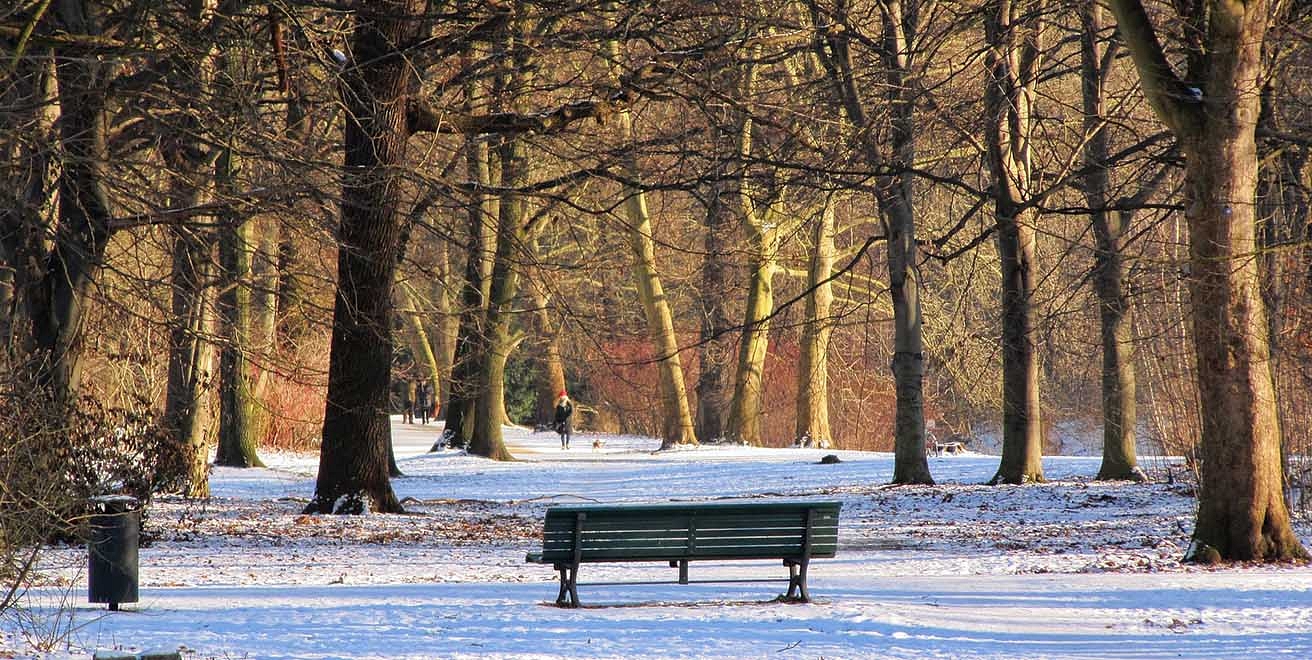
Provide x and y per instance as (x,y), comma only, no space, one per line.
(1072,568)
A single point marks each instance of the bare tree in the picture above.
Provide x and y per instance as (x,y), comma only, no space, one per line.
(1213,111)
(1014,32)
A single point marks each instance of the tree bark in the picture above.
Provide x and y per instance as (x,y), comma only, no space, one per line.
(29,197)
(812,426)
(1119,418)
(1241,509)
(893,193)
(496,344)
(191,357)
(910,465)
(353,474)
(677,426)
(83,231)
(744,423)
(716,342)
(550,367)
(237,443)
(1014,41)
(761,228)
(482,211)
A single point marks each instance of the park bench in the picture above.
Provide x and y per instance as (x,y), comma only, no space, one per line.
(795,531)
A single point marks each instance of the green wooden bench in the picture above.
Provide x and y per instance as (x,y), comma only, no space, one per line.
(795,531)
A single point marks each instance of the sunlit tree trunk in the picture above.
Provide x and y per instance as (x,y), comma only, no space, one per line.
(1119,418)
(237,443)
(677,427)
(897,204)
(760,223)
(497,343)
(1241,508)
(1013,31)
(894,194)
(813,362)
(482,211)
(550,367)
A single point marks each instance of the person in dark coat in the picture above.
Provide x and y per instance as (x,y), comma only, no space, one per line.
(424,400)
(564,415)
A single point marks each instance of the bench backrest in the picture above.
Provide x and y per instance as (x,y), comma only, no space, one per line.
(720,530)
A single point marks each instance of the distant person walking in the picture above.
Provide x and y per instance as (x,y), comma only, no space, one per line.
(408,402)
(564,415)
(424,399)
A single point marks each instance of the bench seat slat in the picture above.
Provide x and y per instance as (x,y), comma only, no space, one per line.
(561,521)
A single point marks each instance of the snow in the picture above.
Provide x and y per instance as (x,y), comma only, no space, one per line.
(1068,569)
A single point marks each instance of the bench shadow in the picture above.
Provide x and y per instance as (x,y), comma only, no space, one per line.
(713,602)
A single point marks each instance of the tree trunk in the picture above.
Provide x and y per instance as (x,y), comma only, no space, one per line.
(760,224)
(551,369)
(910,465)
(1014,50)
(191,357)
(676,416)
(813,362)
(353,474)
(29,195)
(83,230)
(1241,508)
(901,21)
(716,342)
(446,325)
(237,443)
(482,211)
(749,378)
(497,343)
(1119,418)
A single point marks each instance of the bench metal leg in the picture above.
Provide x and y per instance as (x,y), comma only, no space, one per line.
(797,591)
(568,596)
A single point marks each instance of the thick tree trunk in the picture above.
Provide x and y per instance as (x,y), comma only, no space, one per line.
(676,416)
(1242,514)
(744,423)
(716,345)
(191,357)
(237,443)
(812,427)
(496,344)
(551,369)
(1022,439)
(27,195)
(1241,508)
(897,204)
(482,212)
(1119,418)
(1014,49)
(353,474)
(83,230)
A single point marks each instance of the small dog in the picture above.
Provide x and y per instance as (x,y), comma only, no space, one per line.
(596,444)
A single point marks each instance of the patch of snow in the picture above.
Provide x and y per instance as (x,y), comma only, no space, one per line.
(1072,568)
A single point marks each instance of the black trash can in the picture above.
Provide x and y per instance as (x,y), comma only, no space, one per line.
(112,550)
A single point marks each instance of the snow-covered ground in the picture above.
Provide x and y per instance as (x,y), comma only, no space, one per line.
(1067,569)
